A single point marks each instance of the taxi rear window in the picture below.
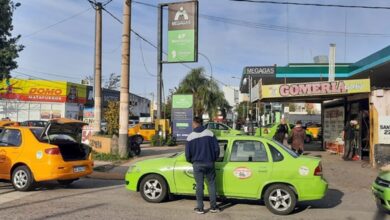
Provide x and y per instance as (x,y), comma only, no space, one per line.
(37,132)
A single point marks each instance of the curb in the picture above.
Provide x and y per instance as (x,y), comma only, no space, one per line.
(106,176)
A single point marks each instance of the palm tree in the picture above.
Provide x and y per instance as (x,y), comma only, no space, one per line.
(207,95)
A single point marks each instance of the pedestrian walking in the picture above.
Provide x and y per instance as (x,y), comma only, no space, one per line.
(202,150)
(281,131)
(298,136)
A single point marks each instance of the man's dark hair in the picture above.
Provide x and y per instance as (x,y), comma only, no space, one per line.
(198,120)
(299,122)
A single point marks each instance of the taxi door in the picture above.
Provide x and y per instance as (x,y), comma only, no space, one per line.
(184,174)
(10,149)
(247,169)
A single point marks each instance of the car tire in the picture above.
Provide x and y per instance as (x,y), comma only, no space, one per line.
(153,188)
(280,199)
(66,182)
(22,178)
(308,139)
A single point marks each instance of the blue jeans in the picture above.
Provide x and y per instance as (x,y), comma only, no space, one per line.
(207,170)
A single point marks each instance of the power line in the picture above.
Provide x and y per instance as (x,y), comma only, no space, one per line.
(57,23)
(314,4)
(143,60)
(255,25)
(52,74)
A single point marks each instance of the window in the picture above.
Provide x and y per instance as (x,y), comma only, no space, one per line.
(276,155)
(222,148)
(248,151)
(211,126)
(10,137)
(288,150)
(147,126)
(222,127)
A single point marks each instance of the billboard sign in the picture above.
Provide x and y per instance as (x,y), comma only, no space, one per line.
(263,71)
(182,115)
(183,32)
(323,88)
(42,91)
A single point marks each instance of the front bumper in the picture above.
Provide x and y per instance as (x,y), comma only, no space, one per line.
(382,195)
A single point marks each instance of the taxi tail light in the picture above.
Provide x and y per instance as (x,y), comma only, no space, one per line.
(318,170)
(53,151)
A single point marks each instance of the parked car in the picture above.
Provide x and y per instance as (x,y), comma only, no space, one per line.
(34,123)
(142,132)
(381,190)
(269,131)
(248,168)
(34,154)
(220,129)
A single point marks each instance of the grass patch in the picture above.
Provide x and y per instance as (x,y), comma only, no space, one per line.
(107,157)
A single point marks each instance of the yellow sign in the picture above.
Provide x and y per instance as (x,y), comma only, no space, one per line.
(42,90)
(315,88)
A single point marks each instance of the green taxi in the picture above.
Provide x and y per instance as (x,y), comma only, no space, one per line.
(269,131)
(248,168)
(220,129)
(381,190)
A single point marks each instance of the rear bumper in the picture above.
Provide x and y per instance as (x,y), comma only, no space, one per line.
(314,190)
(64,171)
(381,195)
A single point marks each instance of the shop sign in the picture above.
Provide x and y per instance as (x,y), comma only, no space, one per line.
(316,88)
(42,91)
(263,71)
(182,32)
(384,129)
(182,115)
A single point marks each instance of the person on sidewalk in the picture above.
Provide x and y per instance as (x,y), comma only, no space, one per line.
(298,136)
(202,150)
(281,131)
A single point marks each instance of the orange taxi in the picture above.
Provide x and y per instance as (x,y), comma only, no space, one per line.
(33,154)
(142,131)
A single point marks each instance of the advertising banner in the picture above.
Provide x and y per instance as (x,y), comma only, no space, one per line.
(182,115)
(182,32)
(384,129)
(42,91)
(315,88)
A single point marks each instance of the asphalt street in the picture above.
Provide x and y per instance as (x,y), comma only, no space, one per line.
(349,197)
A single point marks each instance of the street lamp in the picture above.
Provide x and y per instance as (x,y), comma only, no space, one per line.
(248,81)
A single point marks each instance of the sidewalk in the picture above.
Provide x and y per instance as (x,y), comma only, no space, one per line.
(111,171)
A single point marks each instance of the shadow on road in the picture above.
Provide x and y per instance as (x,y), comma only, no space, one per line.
(84,183)
(332,199)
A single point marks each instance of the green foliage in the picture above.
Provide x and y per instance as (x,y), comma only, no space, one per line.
(111,115)
(208,97)
(107,157)
(157,140)
(9,48)
(171,141)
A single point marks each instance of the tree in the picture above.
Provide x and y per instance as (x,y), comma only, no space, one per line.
(113,82)
(9,49)
(208,97)
(111,115)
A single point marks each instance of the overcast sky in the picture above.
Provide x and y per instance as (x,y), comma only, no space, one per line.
(243,34)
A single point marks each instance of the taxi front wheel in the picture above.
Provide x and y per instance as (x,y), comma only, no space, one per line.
(22,178)
(280,199)
(153,188)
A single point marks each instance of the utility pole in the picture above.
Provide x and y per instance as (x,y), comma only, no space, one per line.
(125,80)
(159,60)
(98,68)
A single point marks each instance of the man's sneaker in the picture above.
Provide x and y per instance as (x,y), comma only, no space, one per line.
(215,210)
(198,211)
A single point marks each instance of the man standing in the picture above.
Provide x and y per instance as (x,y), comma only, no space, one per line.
(349,140)
(298,136)
(202,151)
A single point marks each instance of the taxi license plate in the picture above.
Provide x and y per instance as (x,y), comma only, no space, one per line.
(78,169)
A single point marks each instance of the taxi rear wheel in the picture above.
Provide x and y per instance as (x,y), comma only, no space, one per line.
(153,188)
(22,178)
(280,199)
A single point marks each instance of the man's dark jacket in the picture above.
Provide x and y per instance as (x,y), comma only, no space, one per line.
(202,146)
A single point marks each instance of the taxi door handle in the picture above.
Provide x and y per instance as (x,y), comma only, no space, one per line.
(263,169)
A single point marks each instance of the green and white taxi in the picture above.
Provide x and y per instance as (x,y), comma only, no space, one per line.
(248,168)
